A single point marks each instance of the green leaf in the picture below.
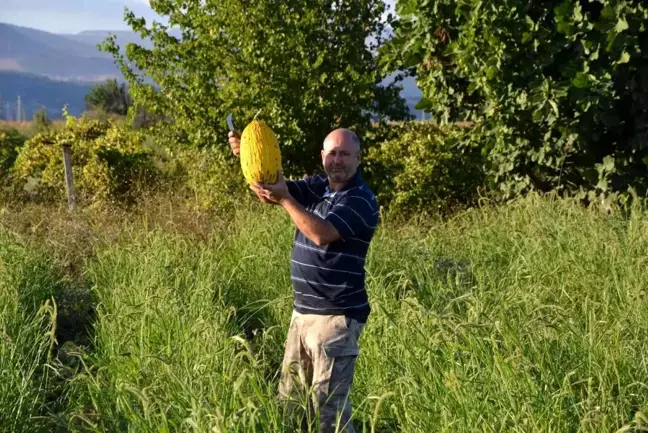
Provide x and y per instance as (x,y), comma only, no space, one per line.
(581,81)
(625,58)
(423,104)
(554,106)
(621,25)
(529,22)
(602,184)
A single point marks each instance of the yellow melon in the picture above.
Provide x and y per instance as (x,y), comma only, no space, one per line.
(260,154)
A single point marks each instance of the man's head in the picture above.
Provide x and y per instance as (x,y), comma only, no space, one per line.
(341,155)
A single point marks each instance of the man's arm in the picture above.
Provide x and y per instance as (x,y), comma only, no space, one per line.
(317,229)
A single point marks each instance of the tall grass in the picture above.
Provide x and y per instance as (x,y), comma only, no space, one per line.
(27,321)
(530,317)
(28,128)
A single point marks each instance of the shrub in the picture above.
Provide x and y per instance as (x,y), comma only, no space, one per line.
(10,142)
(211,178)
(558,89)
(41,122)
(109,163)
(422,169)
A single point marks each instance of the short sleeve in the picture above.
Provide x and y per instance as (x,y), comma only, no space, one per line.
(353,215)
(299,191)
(307,190)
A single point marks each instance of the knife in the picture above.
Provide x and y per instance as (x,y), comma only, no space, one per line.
(230,125)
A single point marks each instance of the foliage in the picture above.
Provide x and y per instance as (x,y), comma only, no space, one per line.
(419,168)
(109,97)
(304,63)
(28,282)
(108,163)
(41,122)
(558,89)
(10,142)
(486,322)
(210,178)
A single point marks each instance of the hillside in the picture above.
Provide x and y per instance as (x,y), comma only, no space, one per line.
(75,57)
(94,37)
(54,56)
(36,91)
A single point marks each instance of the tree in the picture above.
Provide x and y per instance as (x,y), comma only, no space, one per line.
(109,97)
(41,121)
(304,64)
(558,90)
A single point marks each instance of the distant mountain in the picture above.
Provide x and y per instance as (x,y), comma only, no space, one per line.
(36,92)
(123,37)
(55,56)
(410,92)
(76,58)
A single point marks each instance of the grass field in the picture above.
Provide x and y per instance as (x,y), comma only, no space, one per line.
(530,317)
(27,128)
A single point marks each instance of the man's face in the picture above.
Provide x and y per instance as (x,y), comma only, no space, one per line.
(340,157)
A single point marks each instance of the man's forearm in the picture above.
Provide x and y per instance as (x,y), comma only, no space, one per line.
(318,230)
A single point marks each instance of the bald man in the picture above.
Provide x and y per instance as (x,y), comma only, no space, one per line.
(335,215)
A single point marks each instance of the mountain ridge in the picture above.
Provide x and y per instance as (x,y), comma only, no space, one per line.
(75,59)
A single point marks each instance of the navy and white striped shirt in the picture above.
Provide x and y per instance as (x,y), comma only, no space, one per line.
(331,279)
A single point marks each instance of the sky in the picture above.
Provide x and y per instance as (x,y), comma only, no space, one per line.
(74,16)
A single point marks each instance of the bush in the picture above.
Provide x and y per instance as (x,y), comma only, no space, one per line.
(212,178)
(10,142)
(41,122)
(558,89)
(109,163)
(421,169)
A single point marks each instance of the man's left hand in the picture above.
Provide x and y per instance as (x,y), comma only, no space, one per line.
(276,193)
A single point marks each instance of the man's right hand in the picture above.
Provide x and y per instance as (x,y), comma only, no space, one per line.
(235,142)
(262,197)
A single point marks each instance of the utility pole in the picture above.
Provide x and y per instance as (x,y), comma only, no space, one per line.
(19,110)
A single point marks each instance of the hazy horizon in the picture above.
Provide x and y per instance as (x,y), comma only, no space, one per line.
(76,16)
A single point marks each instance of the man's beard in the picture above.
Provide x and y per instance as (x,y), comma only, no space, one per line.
(337,174)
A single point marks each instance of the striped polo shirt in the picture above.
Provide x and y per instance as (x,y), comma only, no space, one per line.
(331,279)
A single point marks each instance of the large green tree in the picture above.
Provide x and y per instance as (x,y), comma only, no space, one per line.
(109,97)
(558,89)
(308,65)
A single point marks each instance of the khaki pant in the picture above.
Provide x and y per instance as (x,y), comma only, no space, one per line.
(319,363)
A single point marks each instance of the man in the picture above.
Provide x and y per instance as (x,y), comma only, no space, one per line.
(336,215)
